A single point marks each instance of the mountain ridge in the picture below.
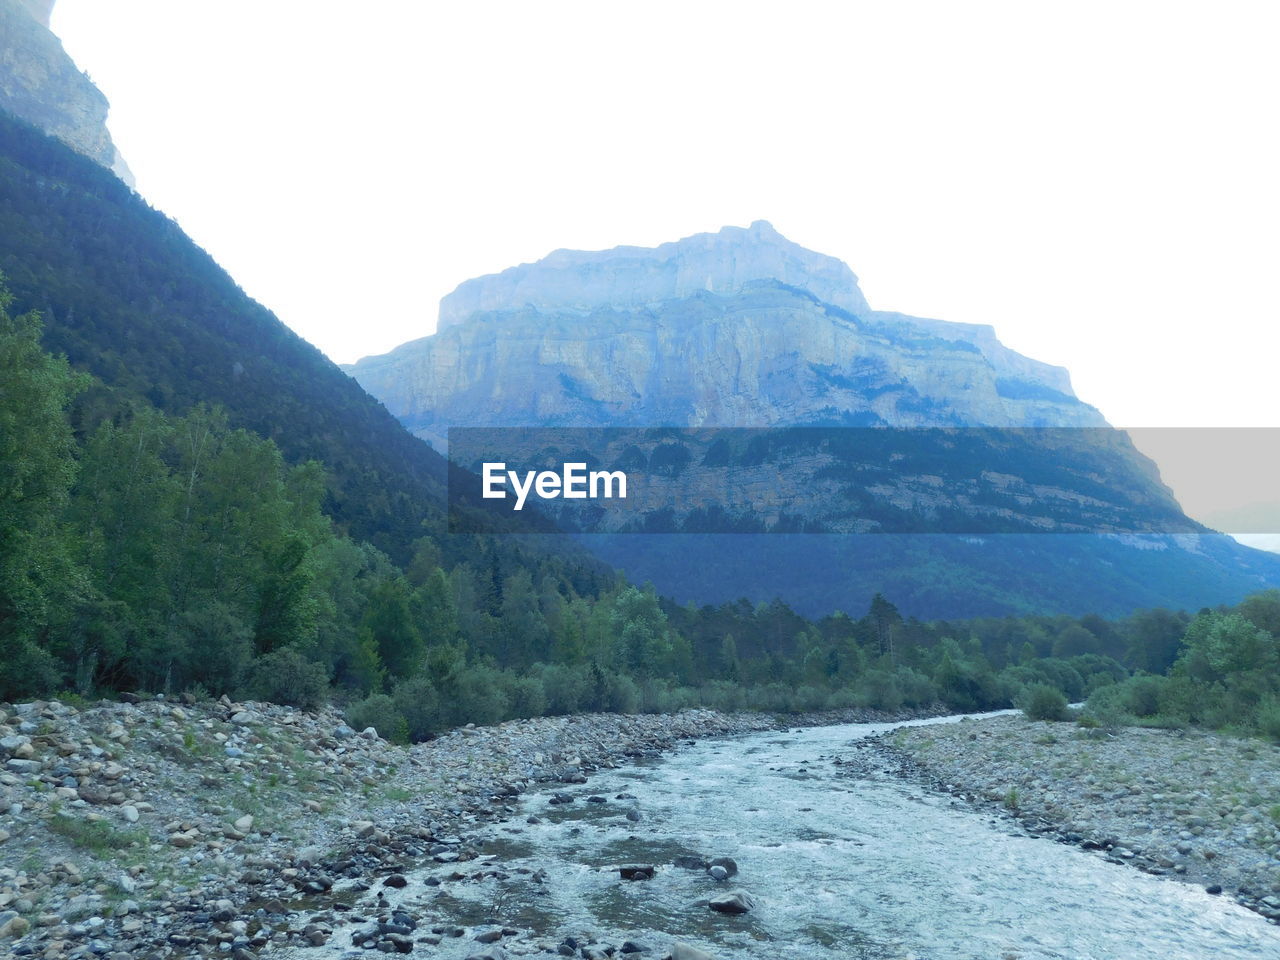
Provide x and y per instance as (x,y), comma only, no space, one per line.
(754,330)
(583,339)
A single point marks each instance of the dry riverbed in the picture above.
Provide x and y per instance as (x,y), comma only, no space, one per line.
(1192,805)
(161,828)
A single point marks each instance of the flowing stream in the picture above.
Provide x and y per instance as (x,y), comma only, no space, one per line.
(841,867)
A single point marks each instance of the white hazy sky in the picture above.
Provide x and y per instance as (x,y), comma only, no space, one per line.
(1096,180)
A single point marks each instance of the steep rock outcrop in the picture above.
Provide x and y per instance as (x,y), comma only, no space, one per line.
(40,84)
(736,328)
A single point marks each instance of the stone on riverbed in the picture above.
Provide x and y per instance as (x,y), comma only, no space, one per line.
(636,872)
(682,951)
(12,925)
(721,868)
(737,901)
(686,862)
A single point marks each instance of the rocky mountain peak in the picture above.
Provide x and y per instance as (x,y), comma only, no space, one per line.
(723,263)
(40,84)
(40,10)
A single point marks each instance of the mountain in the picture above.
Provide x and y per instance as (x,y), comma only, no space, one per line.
(129,298)
(41,84)
(736,328)
(744,328)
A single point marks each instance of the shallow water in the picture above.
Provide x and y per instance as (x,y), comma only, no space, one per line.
(860,868)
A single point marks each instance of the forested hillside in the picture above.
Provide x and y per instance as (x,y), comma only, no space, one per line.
(128,297)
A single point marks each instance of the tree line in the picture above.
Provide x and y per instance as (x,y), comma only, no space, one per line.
(161,553)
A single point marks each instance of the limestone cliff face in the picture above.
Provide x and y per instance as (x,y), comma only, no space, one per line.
(736,328)
(576,281)
(41,84)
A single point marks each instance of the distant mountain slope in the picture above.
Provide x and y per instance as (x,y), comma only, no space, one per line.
(128,297)
(744,328)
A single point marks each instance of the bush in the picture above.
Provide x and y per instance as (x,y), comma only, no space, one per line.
(528,697)
(565,688)
(379,711)
(879,690)
(809,698)
(475,694)
(1141,695)
(417,701)
(1042,702)
(919,691)
(659,696)
(842,699)
(286,676)
(1103,713)
(626,696)
(1268,719)
(723,695)
(773,698)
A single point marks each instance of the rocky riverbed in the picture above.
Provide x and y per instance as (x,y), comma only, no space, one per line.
(164,828)
(1192,805)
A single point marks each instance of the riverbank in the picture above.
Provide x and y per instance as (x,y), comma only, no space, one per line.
(1193,805)
(162,828)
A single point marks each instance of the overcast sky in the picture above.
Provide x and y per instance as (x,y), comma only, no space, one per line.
(1096,180)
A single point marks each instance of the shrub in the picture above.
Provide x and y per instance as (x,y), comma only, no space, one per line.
(417,701)
(379,711)
(565,688)
(1268,719)
(809,697)
(842,699)
(286,676)
(1141,695)
(918,690)
(528,697)
(772,698)
(616,692)
(723,695)
(475,694)
(658,695)
(1103,713)
(879,689)
(1042,702)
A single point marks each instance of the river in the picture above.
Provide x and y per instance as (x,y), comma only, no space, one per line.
(863,867)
